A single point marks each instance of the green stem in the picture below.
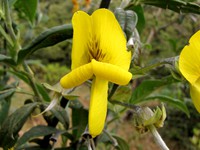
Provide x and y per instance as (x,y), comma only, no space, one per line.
(131,106)
(21,91)
(158,139)
(147,68)
(113,140)
(5,35)
(144,70)
(16,46)
(32,82)
(8,20)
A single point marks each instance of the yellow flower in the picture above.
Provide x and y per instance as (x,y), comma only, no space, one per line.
(189,65)
(98,53)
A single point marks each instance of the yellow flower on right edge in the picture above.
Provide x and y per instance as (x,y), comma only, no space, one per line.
(189,65)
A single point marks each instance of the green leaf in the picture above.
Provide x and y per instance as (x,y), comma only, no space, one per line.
(43,92)
(140,13)
(6,93)
(178,6)
(49,37)
(147,87)
(13,124)
(6,36)
(62,115)
(4,109)
(5,101)
(35,132)
(28,7)
(170,100)
(122,144)
(79,119)
(21,75)
(122,94)
(57,87)
(7,60)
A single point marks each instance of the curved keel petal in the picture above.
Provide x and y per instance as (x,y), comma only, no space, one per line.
(98,106)
(77,76)
(111,72)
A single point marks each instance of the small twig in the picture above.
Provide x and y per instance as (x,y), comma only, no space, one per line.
(113,140)
(131,106)
(86,137)
(92,144)
(169,61)
(104,4)
(54,138)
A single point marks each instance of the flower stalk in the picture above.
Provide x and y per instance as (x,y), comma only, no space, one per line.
(158,139)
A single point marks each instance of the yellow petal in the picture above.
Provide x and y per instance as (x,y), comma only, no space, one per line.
(77,76)
(98,106)
(111,39)
(189,61)
(111,72)
(82,30)
(195,95)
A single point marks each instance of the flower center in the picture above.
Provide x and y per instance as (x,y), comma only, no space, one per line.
(94,50)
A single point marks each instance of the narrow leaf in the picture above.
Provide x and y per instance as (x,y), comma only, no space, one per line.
(79,119)
(131,22)
(13,124)
(147,87)
(170,100)
(140,15)
(43,92)
(6,93)
(4,109)
(121,16)
(122,144)
(35,132)
(49,37)
(62,115)
(174,5)
(21,75)
(57,87)
(7,60)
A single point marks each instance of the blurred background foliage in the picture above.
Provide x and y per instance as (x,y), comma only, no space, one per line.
(163,34)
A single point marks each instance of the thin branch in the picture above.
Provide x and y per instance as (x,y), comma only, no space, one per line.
(104,4)
(5,35)
(131,106)
(31,80)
